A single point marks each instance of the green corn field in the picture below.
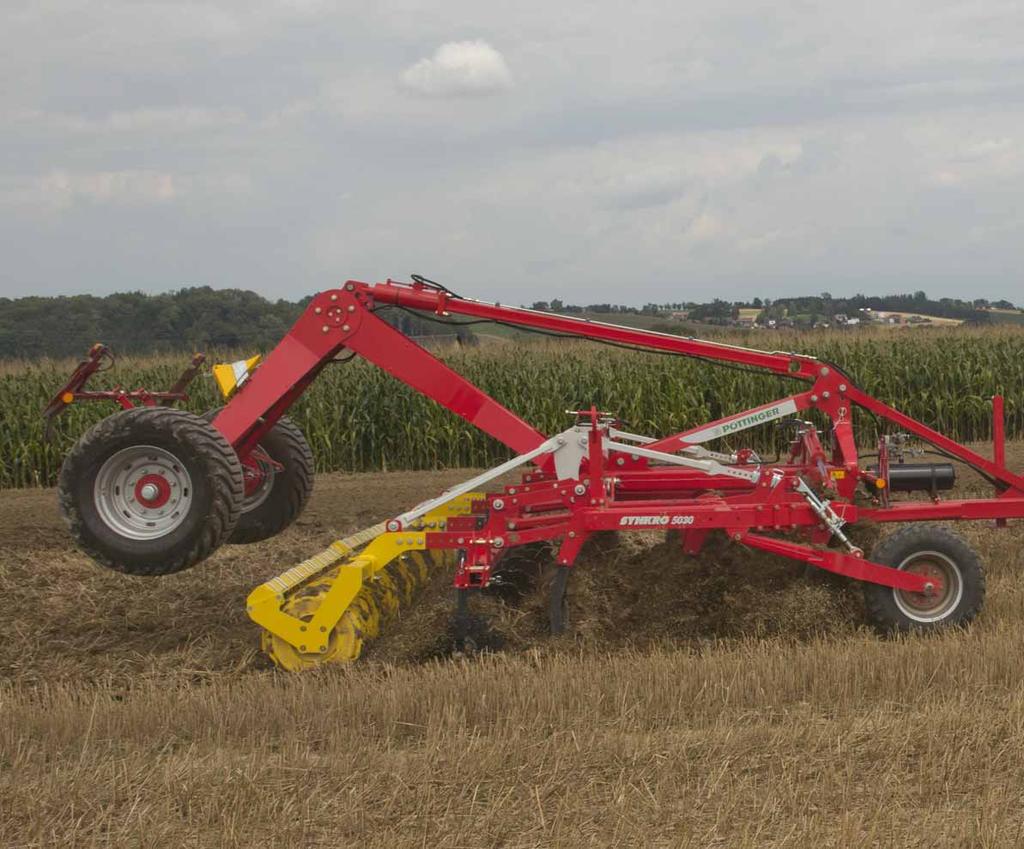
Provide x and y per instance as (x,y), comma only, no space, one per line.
(357,418)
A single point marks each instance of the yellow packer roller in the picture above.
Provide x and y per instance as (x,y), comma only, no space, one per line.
(324,609)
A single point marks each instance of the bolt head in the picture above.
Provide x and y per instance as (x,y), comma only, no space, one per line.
(345,328)
(579,489)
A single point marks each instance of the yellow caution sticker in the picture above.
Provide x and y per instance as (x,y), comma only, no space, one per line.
(230,376)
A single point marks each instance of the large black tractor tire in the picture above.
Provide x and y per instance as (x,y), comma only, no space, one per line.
(151,491)
(928,549)
(284,492)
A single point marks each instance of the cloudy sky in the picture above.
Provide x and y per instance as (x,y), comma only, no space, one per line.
(593,151)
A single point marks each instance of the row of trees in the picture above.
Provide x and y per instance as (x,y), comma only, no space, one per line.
(194,319)
(202,318)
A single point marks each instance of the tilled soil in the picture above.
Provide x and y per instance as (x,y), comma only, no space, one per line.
(727,700)
(66,617)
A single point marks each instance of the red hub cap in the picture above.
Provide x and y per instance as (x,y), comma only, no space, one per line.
(152,491)
(933,597)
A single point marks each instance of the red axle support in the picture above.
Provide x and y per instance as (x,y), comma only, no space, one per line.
(849,565)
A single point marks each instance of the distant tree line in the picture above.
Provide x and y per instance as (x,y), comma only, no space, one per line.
(201,318)
(193,319)
(808,309)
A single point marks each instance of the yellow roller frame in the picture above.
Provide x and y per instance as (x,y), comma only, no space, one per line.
(376,548)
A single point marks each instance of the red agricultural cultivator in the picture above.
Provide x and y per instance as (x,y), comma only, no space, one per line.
(152,489)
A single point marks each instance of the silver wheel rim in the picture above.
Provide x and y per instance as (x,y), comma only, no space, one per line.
(953,592)
(142,492)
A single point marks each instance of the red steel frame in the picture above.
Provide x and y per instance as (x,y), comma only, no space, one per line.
(622,491)
(100,359)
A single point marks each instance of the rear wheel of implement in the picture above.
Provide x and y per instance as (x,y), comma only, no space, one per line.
(935,551)
(274,497)
(151,491)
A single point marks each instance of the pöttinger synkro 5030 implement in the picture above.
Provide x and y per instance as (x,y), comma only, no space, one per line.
(153,490)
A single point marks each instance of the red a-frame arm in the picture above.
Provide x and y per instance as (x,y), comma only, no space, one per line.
(340,319)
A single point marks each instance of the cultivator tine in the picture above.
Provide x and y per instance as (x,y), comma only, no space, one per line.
(324,609)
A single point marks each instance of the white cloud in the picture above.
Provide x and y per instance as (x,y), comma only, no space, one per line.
(60,188)
(169,120)
(459,68)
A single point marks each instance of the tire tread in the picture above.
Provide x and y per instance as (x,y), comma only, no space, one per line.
(224,473)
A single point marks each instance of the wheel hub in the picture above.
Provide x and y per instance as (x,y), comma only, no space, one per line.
(152,491)
(943,590)
(258,472)
(142,492)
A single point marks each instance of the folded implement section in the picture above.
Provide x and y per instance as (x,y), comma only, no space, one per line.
(326,607)
(243,473)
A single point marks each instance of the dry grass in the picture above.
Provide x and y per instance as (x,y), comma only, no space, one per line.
(727,701)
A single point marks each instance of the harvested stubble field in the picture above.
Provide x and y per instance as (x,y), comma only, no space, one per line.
(730,700)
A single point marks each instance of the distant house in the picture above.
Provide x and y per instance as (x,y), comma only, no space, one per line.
(747,316)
